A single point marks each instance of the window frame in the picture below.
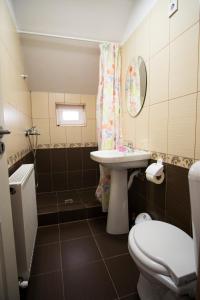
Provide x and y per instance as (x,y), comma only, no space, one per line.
(60,107)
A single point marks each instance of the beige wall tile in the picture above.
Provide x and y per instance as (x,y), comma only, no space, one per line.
(142,129)
(11,116)
(159,75)
(197,148)
(72,98)
(66,134)
(40,106)
(14,91)
(57,133)
(89,131)
(159,26)
(172,73)
(183,63)
(142,39)
(53,99)
(158,127)
(199,70)
(186,16)
(147,98)
(181,128)
(129,128)
(43,127)
(17,122)
(90,102)
(74,134)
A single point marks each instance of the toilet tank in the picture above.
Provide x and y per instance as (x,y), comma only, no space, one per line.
(194,186)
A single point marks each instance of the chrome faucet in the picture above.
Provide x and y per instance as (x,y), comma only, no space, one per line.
(130,146)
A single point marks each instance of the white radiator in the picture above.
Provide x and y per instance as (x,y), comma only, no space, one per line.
(24,211)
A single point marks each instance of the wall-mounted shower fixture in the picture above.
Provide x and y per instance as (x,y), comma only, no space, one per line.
(24,76)
(33,132)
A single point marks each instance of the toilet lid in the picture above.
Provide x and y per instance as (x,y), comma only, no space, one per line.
(168,246)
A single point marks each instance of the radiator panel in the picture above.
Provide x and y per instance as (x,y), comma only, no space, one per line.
(24,211)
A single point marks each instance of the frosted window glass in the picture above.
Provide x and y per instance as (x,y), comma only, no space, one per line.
(70,115)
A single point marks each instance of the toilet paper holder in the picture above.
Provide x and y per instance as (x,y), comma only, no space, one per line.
(154,172)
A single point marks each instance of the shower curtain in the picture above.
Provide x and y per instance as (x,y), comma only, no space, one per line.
(108,111)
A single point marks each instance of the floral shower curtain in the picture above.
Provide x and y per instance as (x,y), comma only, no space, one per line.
(108,111)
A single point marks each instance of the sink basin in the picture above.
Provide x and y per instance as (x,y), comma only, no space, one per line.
(118,163)
(115,159)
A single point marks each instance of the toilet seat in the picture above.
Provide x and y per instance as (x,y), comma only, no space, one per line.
(164,249)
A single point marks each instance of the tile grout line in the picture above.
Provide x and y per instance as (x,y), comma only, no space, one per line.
(127,295)
(196,114)
(113,284)
(45,273)
(61,267)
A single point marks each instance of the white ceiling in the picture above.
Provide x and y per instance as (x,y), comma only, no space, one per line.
(72,66)
(94,19)
(60,65)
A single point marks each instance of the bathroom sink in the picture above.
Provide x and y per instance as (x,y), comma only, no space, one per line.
(119,162)
(115,159)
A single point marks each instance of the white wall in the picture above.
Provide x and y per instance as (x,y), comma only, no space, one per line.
(60,65)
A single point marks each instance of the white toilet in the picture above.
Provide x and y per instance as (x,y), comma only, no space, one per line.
(166,256)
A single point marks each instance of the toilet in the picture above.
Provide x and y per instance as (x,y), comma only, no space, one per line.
(166,256)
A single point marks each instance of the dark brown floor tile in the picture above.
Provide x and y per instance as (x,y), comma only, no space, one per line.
(58,160)
(111,245)
(48,219)
(59,181)
(69,201)
(177,196)
(47,209)
(88,163)
(89,178)
(46,199)
(46,259)
(124,273)
(98,225)
(48,286)
(75,159)
(71,206)
(72,215)
(94,212)
(46,235)
(75,179)
(66,195)
(88,197)
(74,230)
(43,162)
(88,283)
(44,182)
(79,252)
(131,297)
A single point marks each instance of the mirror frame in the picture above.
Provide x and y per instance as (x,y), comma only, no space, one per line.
(140,61)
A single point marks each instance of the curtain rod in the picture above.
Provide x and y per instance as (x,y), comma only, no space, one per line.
(61,36)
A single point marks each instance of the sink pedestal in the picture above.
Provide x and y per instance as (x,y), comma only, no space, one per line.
(118,163)
(118,221)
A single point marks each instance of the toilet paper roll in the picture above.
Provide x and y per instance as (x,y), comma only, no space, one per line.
(154,179)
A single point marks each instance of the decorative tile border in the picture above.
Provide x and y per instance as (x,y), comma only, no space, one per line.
(12,159)
(184,162)
(179,161)
(158,155)
(67,145)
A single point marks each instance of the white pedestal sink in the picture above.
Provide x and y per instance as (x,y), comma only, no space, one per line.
(118,162)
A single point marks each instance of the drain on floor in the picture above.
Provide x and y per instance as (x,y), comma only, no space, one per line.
(68,201)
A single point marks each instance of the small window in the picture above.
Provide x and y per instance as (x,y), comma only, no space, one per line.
(70,114)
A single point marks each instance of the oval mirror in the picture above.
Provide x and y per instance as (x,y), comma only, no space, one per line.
(136,86)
